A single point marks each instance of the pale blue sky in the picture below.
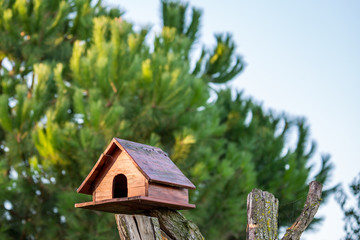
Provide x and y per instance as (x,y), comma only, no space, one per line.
(302,58)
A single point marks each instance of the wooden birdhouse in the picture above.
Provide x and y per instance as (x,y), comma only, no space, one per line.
(131,178)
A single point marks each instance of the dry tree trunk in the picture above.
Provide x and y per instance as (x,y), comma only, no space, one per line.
(263,211)
(160,224)
(262,216)
(133,227)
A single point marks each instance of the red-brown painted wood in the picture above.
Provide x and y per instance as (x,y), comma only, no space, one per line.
(132,205)
(168,193)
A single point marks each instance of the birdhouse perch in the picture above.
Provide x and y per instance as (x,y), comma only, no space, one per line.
(131,178)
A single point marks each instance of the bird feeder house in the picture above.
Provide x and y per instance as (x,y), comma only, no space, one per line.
(132,178)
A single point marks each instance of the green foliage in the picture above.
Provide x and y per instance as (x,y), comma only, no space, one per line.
(247,150)
(75,74)
(174,16)
(351,213)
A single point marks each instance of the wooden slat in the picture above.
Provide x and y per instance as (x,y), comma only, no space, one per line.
(175,194)
(136,191)
(133,205)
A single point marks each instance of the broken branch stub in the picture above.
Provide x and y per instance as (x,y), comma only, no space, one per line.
(262,214)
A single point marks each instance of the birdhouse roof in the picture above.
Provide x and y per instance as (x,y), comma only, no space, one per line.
(152,162)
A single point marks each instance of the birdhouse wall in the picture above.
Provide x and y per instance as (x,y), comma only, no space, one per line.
(174,194)
(119,163)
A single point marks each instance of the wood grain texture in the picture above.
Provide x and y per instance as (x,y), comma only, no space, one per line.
(120,165)
(173,194)
(163,224)
(135,227)
(149,227)
(86,186)
(176,226)
(132,205)
(127,227)
(106,166)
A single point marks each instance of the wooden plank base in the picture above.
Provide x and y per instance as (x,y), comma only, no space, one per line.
(133,205)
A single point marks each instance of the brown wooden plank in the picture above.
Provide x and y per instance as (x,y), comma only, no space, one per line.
(133,205)
(136,191)
(168,193)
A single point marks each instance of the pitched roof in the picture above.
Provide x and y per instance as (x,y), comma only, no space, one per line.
(152,162)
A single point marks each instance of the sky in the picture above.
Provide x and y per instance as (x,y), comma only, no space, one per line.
(302,58)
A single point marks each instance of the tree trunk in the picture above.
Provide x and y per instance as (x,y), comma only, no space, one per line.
(262,215)
(160,224)
(134,227)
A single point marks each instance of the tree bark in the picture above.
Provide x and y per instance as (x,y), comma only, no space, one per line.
(176,226)
(160,224)
(136,227)
(307,215)
(262,214)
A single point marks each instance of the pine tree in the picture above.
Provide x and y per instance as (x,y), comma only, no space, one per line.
(75,74)
(351,213)
(36,44)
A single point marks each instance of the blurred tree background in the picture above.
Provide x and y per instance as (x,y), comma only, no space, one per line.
(351,208)
(75,73)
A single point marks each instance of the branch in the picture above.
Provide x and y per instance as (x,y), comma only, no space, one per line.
(311,207)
